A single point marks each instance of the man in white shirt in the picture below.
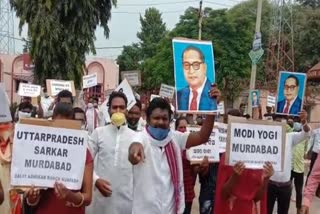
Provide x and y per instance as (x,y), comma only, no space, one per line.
(46,102)
(94,116)
(280,187)
(109,145)
(157,173)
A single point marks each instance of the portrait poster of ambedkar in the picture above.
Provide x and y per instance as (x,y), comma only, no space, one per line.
(291,89)
(194,74)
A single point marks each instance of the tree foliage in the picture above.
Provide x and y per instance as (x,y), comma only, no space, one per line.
(61,33)
(130,58)
(310,3)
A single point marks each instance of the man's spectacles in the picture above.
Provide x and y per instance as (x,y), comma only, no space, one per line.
(289,87)
(195,65)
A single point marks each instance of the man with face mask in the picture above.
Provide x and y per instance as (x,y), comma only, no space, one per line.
(94,118)
(25,110)
(134,116)
(158,179)
(46,101)
(113,172)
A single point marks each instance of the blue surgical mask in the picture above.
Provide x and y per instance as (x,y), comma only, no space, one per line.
(158,133)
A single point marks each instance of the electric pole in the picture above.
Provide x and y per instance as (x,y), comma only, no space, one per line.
(200,20)
(255,55)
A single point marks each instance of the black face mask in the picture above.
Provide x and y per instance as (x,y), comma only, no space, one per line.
(133,127)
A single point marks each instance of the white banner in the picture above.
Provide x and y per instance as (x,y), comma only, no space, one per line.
(90,80)
(5,114)
(222,136)
(256,143)
(167,91)
(221,107)
(43,155)
(127,90)
(210,149)
(29,90)
(133,77)
(59,85)
(154,96)
(271,101)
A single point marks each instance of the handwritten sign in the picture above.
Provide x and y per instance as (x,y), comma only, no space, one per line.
(271,101)
(43,155)
(222,135)
(90,80)
(5,114)
(221,107)
(133,77)
(154,96)
(55,86)
(256,142)
(210,149)
(29,90)
(167,91)
(127,90)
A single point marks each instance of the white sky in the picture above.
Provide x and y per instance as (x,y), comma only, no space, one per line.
(125,23)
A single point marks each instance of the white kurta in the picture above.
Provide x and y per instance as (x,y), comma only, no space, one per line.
(93,119)
(153,190)
(109,146)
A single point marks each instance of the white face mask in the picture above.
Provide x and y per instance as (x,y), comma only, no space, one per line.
(24,115)
(90,105)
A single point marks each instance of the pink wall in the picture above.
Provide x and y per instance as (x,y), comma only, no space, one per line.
(109,66)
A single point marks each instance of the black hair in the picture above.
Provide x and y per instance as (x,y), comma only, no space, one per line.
(77,110)
(189,48)
(116,94)
(178,121)
(293,77)
(242,104)
(63,109)
(45,90)
(25,105)
(138,104)
(64,94)
(235,113)
(158,102)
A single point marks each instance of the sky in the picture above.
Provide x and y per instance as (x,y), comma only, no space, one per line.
(125,24)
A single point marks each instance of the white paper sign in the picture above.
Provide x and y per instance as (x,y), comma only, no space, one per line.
(166,91)
(255,144)
(29,90)
(133,77)
(271,101)
(127,90)
(221,107)
(43,155)
(222,136)
(90,80)
(5,114)
(60,85)
(154,96)
(210,149)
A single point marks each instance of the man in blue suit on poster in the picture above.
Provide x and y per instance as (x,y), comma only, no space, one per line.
(195,96)
(291,104)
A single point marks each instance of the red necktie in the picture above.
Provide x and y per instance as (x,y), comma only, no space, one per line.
(286,109)
(194,103)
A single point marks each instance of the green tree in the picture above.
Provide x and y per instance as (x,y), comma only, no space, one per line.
(130,58)
(153,29)
(62,33)
(310,3)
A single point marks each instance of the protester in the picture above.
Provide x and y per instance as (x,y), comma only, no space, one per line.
(241,190)
(314,148)
(189,177)
(46,101)
(63,96)
(113,173)
(1,194)
(79,114)
(311,187)
(6,139)
(279,188)
(297,172)
(60,199)
(134,117)
(25,110)
(157,171)
(94,117)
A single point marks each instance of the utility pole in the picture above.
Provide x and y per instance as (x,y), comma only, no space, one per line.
(255,55)
(200,20)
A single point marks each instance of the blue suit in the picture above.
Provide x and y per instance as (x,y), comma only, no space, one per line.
(206,102)
(295,108)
